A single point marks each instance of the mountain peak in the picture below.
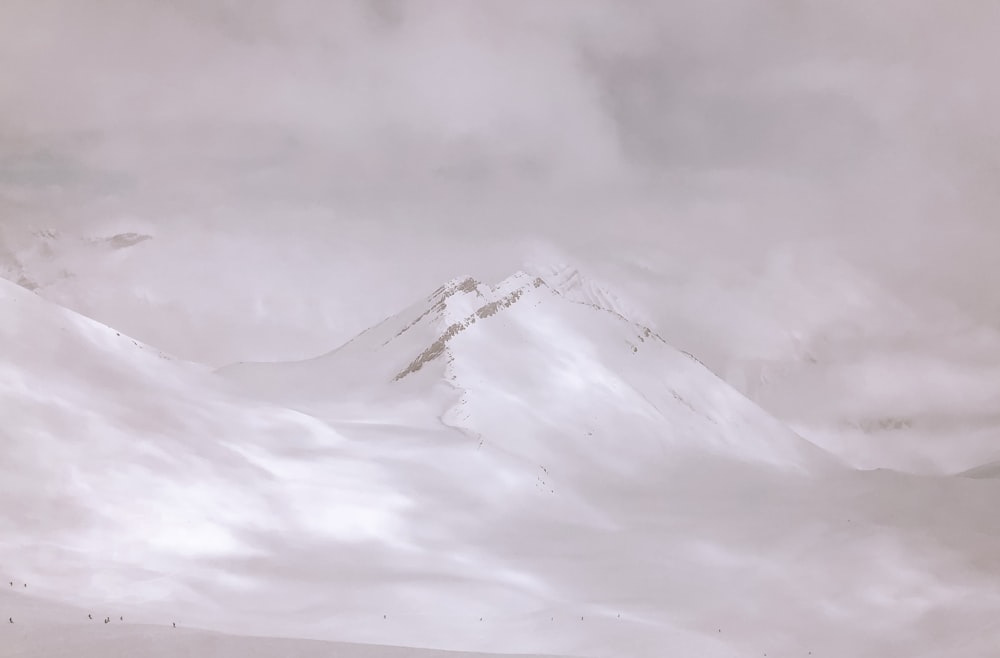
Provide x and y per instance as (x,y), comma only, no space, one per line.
(573,284)
(462,303)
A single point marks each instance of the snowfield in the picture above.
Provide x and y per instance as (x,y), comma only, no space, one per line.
(512,468)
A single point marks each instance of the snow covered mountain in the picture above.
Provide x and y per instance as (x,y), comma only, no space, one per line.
(568,504)
(136,484)
(534,357)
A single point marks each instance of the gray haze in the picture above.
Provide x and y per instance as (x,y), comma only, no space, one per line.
(420,140)
(800,194)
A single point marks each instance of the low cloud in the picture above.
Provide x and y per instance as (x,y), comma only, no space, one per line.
(729,127)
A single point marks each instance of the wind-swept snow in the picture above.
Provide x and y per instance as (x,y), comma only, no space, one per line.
(553,479)
(42,628)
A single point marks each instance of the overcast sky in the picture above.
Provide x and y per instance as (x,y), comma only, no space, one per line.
(714,129)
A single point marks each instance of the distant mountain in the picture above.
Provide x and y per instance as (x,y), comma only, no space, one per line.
(875,378)
(42,258)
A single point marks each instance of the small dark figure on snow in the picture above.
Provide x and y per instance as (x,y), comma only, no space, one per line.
(121,619)
(90,617)
(11,620)
(175,624)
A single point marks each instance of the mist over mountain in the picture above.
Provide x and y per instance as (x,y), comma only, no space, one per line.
(580,328)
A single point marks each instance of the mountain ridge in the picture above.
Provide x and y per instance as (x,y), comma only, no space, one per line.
(524,346)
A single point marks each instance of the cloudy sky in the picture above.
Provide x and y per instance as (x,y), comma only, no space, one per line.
(406,142)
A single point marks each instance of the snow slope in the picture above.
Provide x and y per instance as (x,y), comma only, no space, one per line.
(42,628)
(875,374)
(121,460)
(141,486)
